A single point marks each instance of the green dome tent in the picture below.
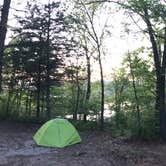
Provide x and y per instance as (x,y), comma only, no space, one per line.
(57,133)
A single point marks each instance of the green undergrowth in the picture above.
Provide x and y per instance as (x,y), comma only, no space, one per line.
(85,126)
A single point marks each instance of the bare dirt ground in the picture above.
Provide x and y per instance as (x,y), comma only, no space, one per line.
(17,148)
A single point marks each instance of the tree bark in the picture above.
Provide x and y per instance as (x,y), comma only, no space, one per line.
(96,39)
(48,110)
(3,31)
(38,85)
(160,76)
(77,95)
(43,102)
(77,101)
(88,91)
(38,94)
(161,94)
(26,103)
(102,91)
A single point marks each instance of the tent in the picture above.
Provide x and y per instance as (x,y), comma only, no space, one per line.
(57,133)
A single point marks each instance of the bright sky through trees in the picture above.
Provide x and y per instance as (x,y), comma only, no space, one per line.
(116,45)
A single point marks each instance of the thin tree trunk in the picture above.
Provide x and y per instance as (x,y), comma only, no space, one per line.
(77,98)
(48,110)
(38,90)
(38,103)
(88,91)
(77,103)
(30,104)
(3,31)
(102,99)
(101,75)
(43,102)
(26,103)
(102,91)
(136,97)
(19,101)
(98,45)
(73,96)
(117,103)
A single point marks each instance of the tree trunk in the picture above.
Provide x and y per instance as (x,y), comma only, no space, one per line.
(136,97)
(73,95)
(48,110)
(160,76)
(77,96)
(26,103)
(88,91)
(19,101)
(38,91)
(102,91)
(30,103)
(117,103)
(161,105)
(43,102)
(3,31)
(77,103)
(38,99)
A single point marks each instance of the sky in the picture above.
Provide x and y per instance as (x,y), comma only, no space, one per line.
(120,42)
(116,45)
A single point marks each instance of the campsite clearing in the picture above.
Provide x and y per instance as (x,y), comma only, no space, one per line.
(17,148)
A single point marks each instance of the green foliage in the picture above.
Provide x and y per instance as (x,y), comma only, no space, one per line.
(124,102)
(8,110)
(64,100)
(45,41)
(124,124)
(156,8)
(88,126)
(150,126)
(3,113)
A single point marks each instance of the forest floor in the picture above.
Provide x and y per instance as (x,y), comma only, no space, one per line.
(17,148)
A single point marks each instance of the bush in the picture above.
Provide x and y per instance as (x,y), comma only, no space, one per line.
(124,124)
(83,126)
(11,112)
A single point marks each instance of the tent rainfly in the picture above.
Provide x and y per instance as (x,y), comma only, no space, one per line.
(57,133)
